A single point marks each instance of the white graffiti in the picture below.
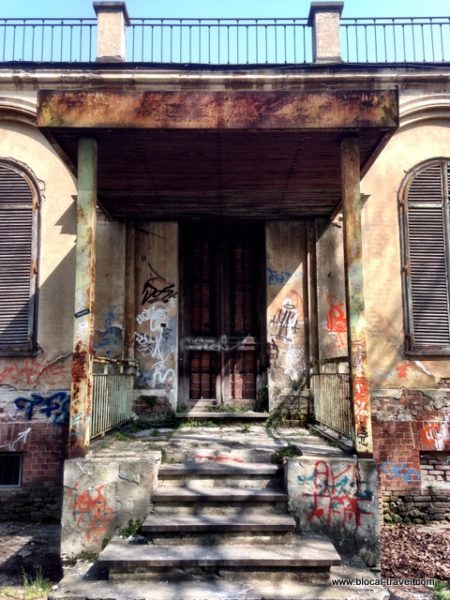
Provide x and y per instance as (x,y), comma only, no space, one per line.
(294,363)
(21,438)
(161,374)
(155,315)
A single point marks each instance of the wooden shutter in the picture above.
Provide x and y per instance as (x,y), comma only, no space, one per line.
(427,259)
(16,250)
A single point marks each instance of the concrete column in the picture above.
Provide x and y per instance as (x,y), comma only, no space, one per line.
(351,200)
(83,341)
(324,18)
(112,20)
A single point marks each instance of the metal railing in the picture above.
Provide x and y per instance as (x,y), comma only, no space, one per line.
(228,41)
(220,41)
(48,40)
(332,406)
(113,384)
(396,40)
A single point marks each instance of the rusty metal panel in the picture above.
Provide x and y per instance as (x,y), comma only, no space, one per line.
(218,110)
(360,390)
(18,255)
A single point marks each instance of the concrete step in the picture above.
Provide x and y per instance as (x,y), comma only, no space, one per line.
(207,474)
(209,469)
(195,493)
(249,416)
(218,523)
(308,552)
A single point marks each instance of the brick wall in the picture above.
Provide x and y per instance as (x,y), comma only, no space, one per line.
(412,449)
(42,446)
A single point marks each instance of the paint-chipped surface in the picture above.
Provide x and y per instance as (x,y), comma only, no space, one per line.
(156,334)
(223,110)
(286,335)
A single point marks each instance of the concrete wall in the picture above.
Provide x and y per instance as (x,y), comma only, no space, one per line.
(286,335)
(337,497)
(110,287)
(156,336)
(35,389)
(102,494)
(332,318)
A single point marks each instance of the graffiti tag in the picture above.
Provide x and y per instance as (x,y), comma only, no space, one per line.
(400,471)
(157,288)
(92,512)
(54,407)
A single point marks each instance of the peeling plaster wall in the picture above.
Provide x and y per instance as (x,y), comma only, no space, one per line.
(389,367)
(332,318)
(285,264)
(156,336)
(110,287)
(34,389)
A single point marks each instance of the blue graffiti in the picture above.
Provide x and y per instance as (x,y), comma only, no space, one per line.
(109,339)
(277,277)
(400,471)
(54,407)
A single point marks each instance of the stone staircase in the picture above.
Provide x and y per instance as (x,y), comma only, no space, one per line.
(220,521)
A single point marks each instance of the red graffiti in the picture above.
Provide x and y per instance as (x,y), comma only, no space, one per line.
(218,458)
(361,408)
(336,494)
(32,372)
(402,369)
(92,512)
(435,435)
(337,321)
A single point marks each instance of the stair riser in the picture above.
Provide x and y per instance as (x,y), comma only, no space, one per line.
(217,539)
(234,481)
(241,574)
(219,508)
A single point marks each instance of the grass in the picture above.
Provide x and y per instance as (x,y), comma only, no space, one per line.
(131,529)
(35,587)
(289,451)
(198,423)
(244,429)
(442,591)
(87,556)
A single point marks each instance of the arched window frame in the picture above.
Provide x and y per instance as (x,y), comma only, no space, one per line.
(425,240)
(26,344)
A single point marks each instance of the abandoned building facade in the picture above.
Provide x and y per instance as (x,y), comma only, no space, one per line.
(255,221)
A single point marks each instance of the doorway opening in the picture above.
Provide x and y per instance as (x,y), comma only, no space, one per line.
(222,350)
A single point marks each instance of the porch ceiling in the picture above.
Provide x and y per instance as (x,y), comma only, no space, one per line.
(244,154)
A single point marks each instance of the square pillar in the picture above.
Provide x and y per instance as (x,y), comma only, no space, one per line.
(112,20)
(324,18)
(83,340)
(360,391)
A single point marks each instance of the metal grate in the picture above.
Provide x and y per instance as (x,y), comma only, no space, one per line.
(332,404)
(112,396)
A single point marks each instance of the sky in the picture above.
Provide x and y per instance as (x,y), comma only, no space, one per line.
(228,8)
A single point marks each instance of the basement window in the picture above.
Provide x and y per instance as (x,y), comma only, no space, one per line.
(426,257)
(10,469)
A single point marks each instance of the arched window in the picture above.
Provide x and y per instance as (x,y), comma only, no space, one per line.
(18,259)
(426,236)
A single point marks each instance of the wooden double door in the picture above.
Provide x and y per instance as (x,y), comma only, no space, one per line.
(222,337)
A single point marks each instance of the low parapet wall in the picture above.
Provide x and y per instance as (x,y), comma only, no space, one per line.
(102,494)
(337,497)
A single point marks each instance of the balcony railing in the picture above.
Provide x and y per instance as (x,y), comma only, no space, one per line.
(286,41)
(48,40)
(113,382)
(396,40)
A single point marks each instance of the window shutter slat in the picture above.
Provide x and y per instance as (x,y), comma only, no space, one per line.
(16,239)
(428,259)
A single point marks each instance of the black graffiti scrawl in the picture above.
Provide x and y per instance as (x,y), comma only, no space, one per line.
(157,288)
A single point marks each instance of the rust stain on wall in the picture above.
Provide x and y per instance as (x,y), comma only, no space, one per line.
(222,110)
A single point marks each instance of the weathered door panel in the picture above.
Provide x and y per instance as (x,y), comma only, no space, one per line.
(222,339)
